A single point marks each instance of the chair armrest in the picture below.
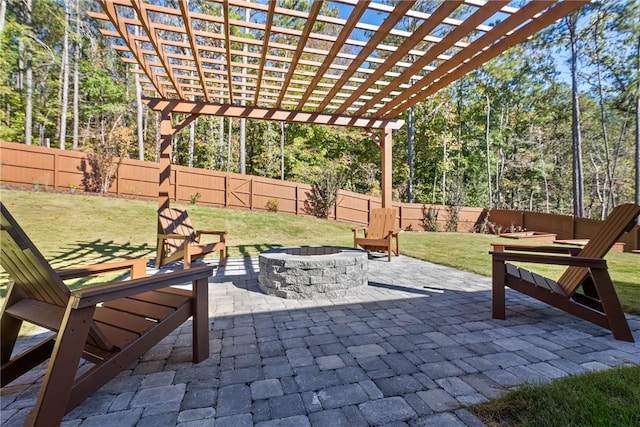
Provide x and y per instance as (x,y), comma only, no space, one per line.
(393,232)
(501,247)
(549,259)
(112,291)
(136,267)
(172,236)
(355,231)
(221,234)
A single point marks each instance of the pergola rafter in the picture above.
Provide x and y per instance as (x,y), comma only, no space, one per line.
(350,24)
(488,52)
(313,14)
(194,48)
(343,62)
(265,49)
(350,57)
(421,32)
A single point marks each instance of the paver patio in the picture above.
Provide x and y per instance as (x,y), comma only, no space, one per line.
(409,349)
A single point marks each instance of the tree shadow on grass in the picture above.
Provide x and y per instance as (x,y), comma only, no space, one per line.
(88,253)
(98,251)
(252,250)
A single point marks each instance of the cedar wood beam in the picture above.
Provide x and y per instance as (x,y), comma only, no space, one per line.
(227,46)
(275,114)
(265,48)
(188,25)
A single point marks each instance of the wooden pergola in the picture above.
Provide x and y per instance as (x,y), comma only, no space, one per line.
(354,63)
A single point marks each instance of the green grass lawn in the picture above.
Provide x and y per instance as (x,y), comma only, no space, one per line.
(79,229)
(607,399)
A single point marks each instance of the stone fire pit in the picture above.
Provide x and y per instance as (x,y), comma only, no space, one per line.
(312,272)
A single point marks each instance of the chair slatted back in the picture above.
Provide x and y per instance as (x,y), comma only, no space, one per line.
(33,274)
(382,221)
(176,221)
(27,267)
(621,219)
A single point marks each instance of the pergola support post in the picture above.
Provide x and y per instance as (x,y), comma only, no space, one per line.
(166,134)
(387,181)
(167,131)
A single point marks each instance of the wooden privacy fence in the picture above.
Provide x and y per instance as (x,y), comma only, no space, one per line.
(54,169)
(564,226)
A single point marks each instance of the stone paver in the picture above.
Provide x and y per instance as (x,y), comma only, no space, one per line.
(387,410)
(408,349)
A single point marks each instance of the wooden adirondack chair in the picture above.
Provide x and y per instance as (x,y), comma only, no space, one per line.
(108,325)
(587,271)
(380,233)
(178,240)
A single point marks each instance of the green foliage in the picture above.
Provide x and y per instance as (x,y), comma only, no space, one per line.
(263,148)
(324,191)
(193,199)
(429,219)
(104,159)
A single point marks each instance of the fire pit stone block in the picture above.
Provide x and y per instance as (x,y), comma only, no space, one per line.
(312,272)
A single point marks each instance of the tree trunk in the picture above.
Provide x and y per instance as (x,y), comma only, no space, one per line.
(229,145)
(76,79)
(637,159)
(28,119)
(444,168)
(608,189)
(59,98)
(139,111)
(488,147)
(578,181)
(3,14)
(282,151)
(242,154)
(221,144)
(243,122)
(410,129)
(544,176)
(65,77)
(192,141)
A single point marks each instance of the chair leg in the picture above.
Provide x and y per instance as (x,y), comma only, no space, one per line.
(200,320)
(611,305)
(159,253)
(498,291)
(186,256)
(56,386)
(223,256)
